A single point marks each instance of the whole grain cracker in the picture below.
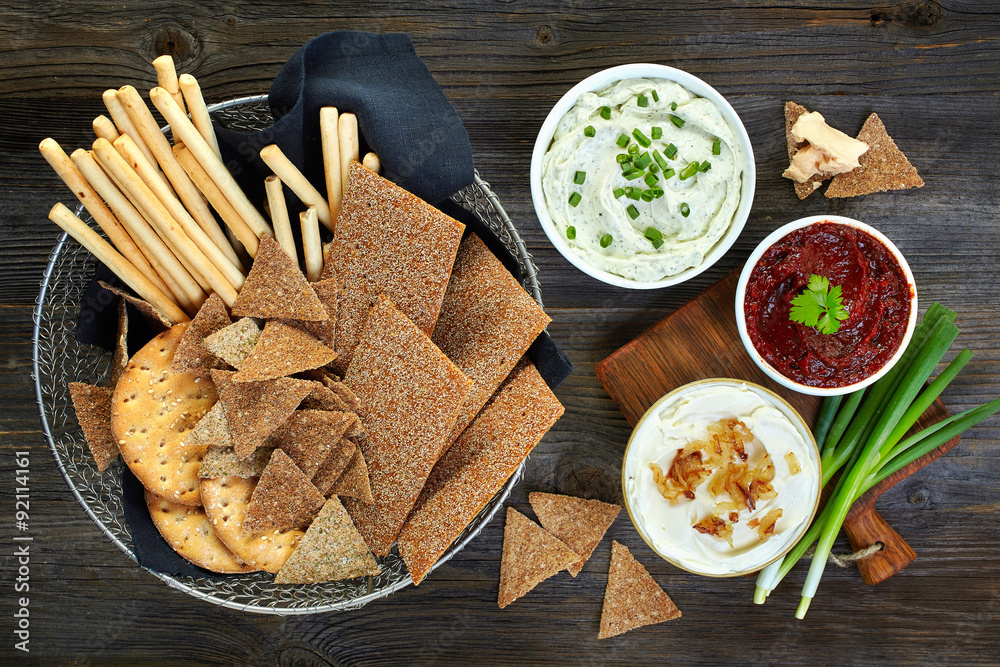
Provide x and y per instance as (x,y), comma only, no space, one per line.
(255,410)
(157,321)
(93,411)
(343,392)
(476,466)
(119,358)
(212,430)
(192,356)
(633,598)
(309,436)
(792,113)
(323,398)
(331,550)
(226,500)
(280,351)
(579,523)
(275,288)
(234,343)
(409,394)
(328,292)
(153,413)
(330,470)
(329,268)
(354,481)
(389,242)
(530,556)
(189,532)
(284,498)
(883,166)
(223,462)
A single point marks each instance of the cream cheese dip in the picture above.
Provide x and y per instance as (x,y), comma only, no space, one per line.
(683,417)
(655,211)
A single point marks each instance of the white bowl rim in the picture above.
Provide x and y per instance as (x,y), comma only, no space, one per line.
(741,287)
(600,80)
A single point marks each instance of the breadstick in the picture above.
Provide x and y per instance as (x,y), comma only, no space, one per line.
(199,112)
(312,247)
(372,163)
(279,216)
(331,159)
(213,166)
(163,261)
(218,200)
(347,132)
(110,257)
(75,181)
(173,231)
(215,245)
(124,122)
(296,182)
(166,76)
(103,127)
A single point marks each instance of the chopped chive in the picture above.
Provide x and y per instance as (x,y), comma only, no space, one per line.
(651,179)
(660,161)
(632,193)
(633,149)
(647,195)
(626,166)
(579,177)
(670,151)
(673,106)
(668,173)
(642,161)
(657,192)
(633,174)
(654,236)
(574,199)
(606,240)
(571,232)
(653,168)
(623,157)
(633,212)
(643,101)
(705,166)
(589,131)
(656,132)
(641,138)
(717,147)
(685,209)
(690,170)
(622,140)
(677,120)
(618,192)
(606,113)
(656,98)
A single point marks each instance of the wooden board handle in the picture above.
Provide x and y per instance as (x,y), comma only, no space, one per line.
(866,528)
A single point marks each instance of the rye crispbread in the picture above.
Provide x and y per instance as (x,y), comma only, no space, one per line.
(530,556)
(192,356)
(284,498)
(632,598)
(280,351)
(354,481)
(883,166)
(157,321)
(309,436)
(276,289)
(233,343)
(579,523)
(119,358)
(221,461)
(336,462)
(93,411)
(255,410)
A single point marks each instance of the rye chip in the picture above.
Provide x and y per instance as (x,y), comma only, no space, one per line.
(192,356)
(792,113)
(309,435)
(328,292)
(93,411)
(330,470)
(323,398)
(233,343)
(883,166)
(633,598)
(223,462)
(212,430)
(282,350)
(530,556)
(284,498)
(156,320)
(255,410)
(579,523)
(354,481)
(119,358)
(276,289)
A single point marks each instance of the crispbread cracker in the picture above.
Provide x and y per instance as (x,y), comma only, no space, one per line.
(284,498)
(323,398)
(226,500)
(633,598)
(883,166)
(792,113)
(354,481)
(93,411)
(153,413)
(119,358)
(189,532)
(212,430)
(255,410)
(276,289)
(409,397)
(192,356)
(157,321)
(309,436)
(389,242)
(330,470)
(530,556)
(344,392)
(487,322)
(233,343)
(579,523)
(223,462)
(328,292)
(332,549)
(282,350)
(476,466)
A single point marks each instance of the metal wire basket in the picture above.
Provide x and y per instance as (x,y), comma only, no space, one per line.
(58,359)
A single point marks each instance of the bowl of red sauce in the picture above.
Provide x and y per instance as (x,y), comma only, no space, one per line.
(876,289)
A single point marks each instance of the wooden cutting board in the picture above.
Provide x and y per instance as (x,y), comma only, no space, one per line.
(700,341)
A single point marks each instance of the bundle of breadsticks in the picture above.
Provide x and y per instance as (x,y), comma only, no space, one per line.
(159,204)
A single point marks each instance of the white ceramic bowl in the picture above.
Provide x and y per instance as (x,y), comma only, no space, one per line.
(601,80)
(741,287)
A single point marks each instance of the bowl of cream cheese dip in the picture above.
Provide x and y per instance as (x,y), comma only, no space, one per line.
(642,176)
(721,477)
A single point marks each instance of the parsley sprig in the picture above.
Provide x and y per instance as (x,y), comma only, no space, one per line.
(819,306)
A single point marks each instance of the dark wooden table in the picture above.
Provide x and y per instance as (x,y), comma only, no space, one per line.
(930,70)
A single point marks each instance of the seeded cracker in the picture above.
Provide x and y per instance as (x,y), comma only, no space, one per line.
(331,550)
(792,113)
(280,351)
(93,411)
(389,242)
(212,430)
(579,523)
(284,498)
(476,466)
(328,292)
(354,481)
(487,322)
(309,435)
(119,359)
(192,356)
(530,556)
(226,502)
(883,166)
(275,288)
(409,397)
(343,392)
(223,462)
(333,467)
(323,398)
(234,343)
(632,599)
(157,322)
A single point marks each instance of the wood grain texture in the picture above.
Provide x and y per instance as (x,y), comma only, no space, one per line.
(930,70)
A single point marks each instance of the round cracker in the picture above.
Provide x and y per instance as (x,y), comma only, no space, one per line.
(226,501)
(189,532)
(153,410)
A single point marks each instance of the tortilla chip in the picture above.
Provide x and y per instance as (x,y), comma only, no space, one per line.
(632,599)
(331,550)
(192,356)
(354,481)
(255,410)
(280,351)
(883,166)
(157,321)
(792,113)
(276,288)
(530,556)
(284,498)
(579,523)
(212,430)
(119,359)
(234,343)
(222,462)
(476,466)
(93,411)
(309,435)
(330,470)
(409,397)
(389,242)
(487,323)
(328,292)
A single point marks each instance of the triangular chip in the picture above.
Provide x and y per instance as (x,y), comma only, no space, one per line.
(883,166)
(192,356)
(579,523)
(255,410)
(792,113)
(633,598)
(280,351)
(354,482)
(328,292)
(212,430)
(234,343)
(93,411)
(284,498)
(330,470)
(119,358)
(344,392)
(276,288)
(157,321)
(331,550)
(223,462)
(309,435)
(323,398)
(329,268)
(530,556)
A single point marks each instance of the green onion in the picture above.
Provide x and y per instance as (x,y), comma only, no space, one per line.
(673,106)
(657,191)
(668,173)
(651,179)
(633,149)
(827,413)
(670,151)
(606,240)
(626,166)
(589,131)
(643,161)
(705,166)
(647,195)
(632,193)
(643,101)
(660,160)
(571,232)
(606,113)
(653,168)
(641,138)
(622,140)
(574,199)
(633,212)
(685,209)
(623,157)
(654,236)
(633,174)
(579,177)
(618,192)
(717,147)
(677,120)
(690,170)
(656,98)
(656,132)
